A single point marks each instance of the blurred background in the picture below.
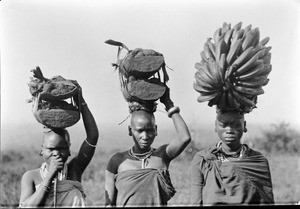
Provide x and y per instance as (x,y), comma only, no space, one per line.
(67,38)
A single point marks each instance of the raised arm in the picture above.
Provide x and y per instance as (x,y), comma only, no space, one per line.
(87,149)
(178,144)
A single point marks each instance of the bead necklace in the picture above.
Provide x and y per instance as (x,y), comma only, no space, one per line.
(142,157)
(222,157)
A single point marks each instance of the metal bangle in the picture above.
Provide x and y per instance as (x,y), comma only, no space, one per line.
(173,110)
(90,143)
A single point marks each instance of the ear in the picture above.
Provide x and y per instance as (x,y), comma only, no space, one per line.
(129,131)
(215,126)
(156,130)
(40,153)
(245,129)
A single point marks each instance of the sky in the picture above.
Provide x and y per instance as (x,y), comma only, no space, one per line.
(67,38)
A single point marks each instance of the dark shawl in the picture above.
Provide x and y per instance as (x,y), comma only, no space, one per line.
(244,181)
(144,187)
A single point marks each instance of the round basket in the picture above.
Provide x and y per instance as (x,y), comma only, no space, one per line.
(55,118)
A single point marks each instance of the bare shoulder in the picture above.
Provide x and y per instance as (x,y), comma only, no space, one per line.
(31,176)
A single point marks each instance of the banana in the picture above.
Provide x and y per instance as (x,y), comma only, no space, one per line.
(206,77)
(208,52)
(266,82)
(251,62)
(202,82)
(252,84)
(236,36)
(215,100)
(203,56)
(233,51)
(248,28)
(211,47)
(220,49)
(250,91)
(265,71)
(202,89)
(212,72)
(264,41)
(225,27)
(245,56)
(236,28)
(248,38)
(204,98)
(254,71)
(222,101)
(228,36)
(216,72)
(242,99)
(256,36)
(232,101)
(217,35)
(222,64)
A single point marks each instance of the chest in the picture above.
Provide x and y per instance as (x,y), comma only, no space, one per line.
(150,162)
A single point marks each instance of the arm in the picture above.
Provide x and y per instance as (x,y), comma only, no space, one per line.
(177,145)
(196,198)
(110,189)
(87,149)
(32,197)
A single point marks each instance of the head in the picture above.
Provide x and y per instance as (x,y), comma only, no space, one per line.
(142,129)
(230,126)
(55,142)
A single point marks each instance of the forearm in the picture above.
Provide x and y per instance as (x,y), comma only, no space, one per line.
(39,196)
(181,129)
(89,124)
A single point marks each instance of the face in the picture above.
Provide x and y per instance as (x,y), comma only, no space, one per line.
(54,144)
(230,127)
(143,129)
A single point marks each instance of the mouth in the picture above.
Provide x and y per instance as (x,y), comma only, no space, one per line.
(230,138)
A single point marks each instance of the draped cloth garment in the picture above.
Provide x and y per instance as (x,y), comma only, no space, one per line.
(144,187)
(243,181)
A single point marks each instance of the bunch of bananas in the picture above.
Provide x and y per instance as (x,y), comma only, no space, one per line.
(233,68)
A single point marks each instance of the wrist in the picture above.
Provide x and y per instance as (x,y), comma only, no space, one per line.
(173,110)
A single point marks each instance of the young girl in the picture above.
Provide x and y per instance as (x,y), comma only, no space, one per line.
(57,183)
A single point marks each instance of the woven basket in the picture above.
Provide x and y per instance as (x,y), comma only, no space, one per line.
(55,118)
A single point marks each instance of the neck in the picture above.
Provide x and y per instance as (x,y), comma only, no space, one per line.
(138,150)
(231,150)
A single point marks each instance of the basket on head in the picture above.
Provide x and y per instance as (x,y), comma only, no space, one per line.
(61,117)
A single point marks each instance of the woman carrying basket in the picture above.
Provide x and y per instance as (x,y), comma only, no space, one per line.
(57,182)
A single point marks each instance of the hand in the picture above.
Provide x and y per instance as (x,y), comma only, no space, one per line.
(166,100)
(56,165)
(78,98)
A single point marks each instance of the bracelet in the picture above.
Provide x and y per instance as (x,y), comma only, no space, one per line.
(45,188)
(173,110)
(90,144)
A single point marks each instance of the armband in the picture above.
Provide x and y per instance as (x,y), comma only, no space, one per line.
(173,110)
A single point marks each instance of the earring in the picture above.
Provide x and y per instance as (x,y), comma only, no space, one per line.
(245,130)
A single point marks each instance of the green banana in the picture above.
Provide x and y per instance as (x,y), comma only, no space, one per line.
(242,99)
(204,98)
(215,100)
(266,82)
(233,51)
(248,39)
(208,53)
(225,27)
(211,71)
(211,47)
(250,91)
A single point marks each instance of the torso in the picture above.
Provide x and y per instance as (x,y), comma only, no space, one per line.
(124,161)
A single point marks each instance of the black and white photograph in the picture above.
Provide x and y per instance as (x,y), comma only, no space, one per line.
(148,103)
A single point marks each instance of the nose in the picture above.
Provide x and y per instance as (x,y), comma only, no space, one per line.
(144,136)
(55,153)
(229,129)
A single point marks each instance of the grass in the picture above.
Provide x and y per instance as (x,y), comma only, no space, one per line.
(285,173)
